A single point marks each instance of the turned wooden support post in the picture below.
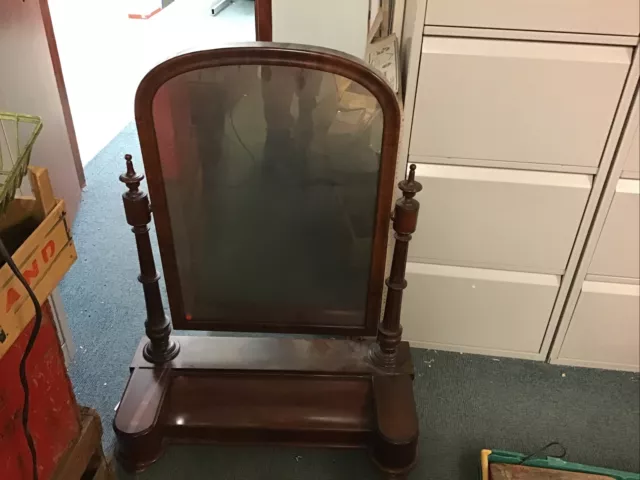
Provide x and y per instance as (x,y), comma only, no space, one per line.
(161,347)
(405,219)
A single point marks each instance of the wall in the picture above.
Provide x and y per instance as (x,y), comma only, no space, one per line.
(28,85)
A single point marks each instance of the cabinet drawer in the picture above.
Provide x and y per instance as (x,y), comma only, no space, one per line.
(617,253)
(532,102)
(498,218)
(476,309)
(604,329)
(614,17)
(631,165)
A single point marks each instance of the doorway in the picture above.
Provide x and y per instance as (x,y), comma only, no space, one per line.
(106,48)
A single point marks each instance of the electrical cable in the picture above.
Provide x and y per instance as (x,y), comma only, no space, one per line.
(537,453)
(4,254)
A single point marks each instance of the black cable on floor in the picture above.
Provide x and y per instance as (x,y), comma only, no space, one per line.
(4,254)
(544,449)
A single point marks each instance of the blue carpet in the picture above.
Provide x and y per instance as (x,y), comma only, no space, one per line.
(465,402)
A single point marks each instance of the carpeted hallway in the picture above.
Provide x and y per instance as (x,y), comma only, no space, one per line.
(465,402)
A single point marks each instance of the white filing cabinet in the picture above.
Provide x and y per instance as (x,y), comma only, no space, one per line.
(516,101)
(498,218)
(514,110)
(618,250)
(477,309)
(603,331)
(601,325)
(618,17)
(630,149)
(333,24)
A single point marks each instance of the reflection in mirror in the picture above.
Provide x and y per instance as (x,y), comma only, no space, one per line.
(271,177)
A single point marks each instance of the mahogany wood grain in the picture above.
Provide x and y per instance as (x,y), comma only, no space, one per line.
(136,424)
(139,407)
(263,13)
(277,354)
(269,390)
(160,347)
(405,220)
(396,441)
(324,392)
(271,54)
(262,408)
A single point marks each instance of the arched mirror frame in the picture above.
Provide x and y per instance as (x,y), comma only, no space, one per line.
(270,54)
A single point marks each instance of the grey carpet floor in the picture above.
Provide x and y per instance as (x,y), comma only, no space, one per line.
(465,402)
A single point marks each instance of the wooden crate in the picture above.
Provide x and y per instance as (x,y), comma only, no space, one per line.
(506,465)
(502,471)
(85,458)
(43,258)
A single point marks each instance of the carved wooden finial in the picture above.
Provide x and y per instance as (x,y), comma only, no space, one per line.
(405,218)
(410,186)
(131,179)
(412,172)
(161,348)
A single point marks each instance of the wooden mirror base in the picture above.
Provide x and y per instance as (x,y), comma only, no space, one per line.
(287,391)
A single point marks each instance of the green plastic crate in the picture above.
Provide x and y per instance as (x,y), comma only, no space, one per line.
(514,458)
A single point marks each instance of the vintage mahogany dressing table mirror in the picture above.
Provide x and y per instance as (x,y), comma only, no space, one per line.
(271,174)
